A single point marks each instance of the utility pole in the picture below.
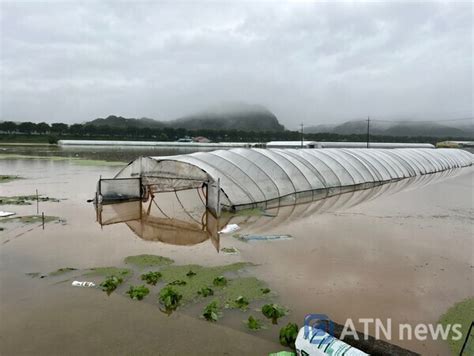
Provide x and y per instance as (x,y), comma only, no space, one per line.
(368,131)
(302,135)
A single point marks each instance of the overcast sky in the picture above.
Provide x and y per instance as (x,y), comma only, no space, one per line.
(311,62)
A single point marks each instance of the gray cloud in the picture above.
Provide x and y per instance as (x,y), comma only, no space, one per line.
(305,61)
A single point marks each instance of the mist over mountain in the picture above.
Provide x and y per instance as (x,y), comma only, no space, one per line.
(461,128)
(234,116)
(253,117)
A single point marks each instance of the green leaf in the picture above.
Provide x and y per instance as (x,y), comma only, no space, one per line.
(206,292)
(169,298)
(151,277)
(273,311)
(288,335)
(220,281)
(211,311)
(254,324)
(191,273)
(138,293)
(110,284)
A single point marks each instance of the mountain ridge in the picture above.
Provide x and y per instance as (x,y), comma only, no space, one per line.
(239,117)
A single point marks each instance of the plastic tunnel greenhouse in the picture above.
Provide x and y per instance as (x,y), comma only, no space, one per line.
(246,178)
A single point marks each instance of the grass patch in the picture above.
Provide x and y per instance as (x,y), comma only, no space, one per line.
(143,261)
(244,212)
(460,313)
(25,200)
(62,271)
(200,285)
(109,271)
(249,288)
(8,178)
(30,219)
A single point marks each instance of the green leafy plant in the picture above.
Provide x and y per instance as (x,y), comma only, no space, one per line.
(211,311)
(288,335)
(52,140)
(138,293)
(191,273)
(220,281)
(241,302)
(178,282)
(254,324)
(169,298)
(265,290)
(151,277)
(273,311)
(110,284)
(205,292)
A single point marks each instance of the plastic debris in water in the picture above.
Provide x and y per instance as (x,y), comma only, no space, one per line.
(5,213)
(229,228)
(265,237)
(83,284)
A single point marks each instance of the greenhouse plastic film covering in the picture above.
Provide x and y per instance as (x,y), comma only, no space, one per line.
(263,177)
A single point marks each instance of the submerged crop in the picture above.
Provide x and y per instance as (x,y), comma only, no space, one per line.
(254,324)
(288,335)
(111,283)
(211,311)
(151,277)
(138,293)
(169,298)
(25,199)
(274,312)
(7,178)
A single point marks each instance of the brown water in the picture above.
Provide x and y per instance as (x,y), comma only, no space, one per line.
(406,256)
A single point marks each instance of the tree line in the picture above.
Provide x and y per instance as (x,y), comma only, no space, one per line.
(57,131)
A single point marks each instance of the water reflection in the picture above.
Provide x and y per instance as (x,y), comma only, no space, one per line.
(197,225)
(170,230)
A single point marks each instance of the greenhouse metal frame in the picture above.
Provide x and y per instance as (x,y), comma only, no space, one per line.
(247,178)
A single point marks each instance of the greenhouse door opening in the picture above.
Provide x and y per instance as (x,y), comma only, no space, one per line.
(119,189)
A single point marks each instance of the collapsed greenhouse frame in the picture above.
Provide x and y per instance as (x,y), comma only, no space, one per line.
(247,178)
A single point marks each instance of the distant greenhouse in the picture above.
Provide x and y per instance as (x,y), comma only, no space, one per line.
(246,178)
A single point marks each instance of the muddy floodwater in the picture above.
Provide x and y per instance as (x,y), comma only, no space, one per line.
(407,256)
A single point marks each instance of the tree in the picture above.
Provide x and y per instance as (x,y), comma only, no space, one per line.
(59,128)
(8,126)
(43,127)
(76,129)
(27,127)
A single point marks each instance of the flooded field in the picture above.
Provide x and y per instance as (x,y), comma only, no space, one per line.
(404,254)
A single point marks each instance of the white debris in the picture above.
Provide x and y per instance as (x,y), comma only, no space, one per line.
(83,284)
(229,228)
(5,213)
